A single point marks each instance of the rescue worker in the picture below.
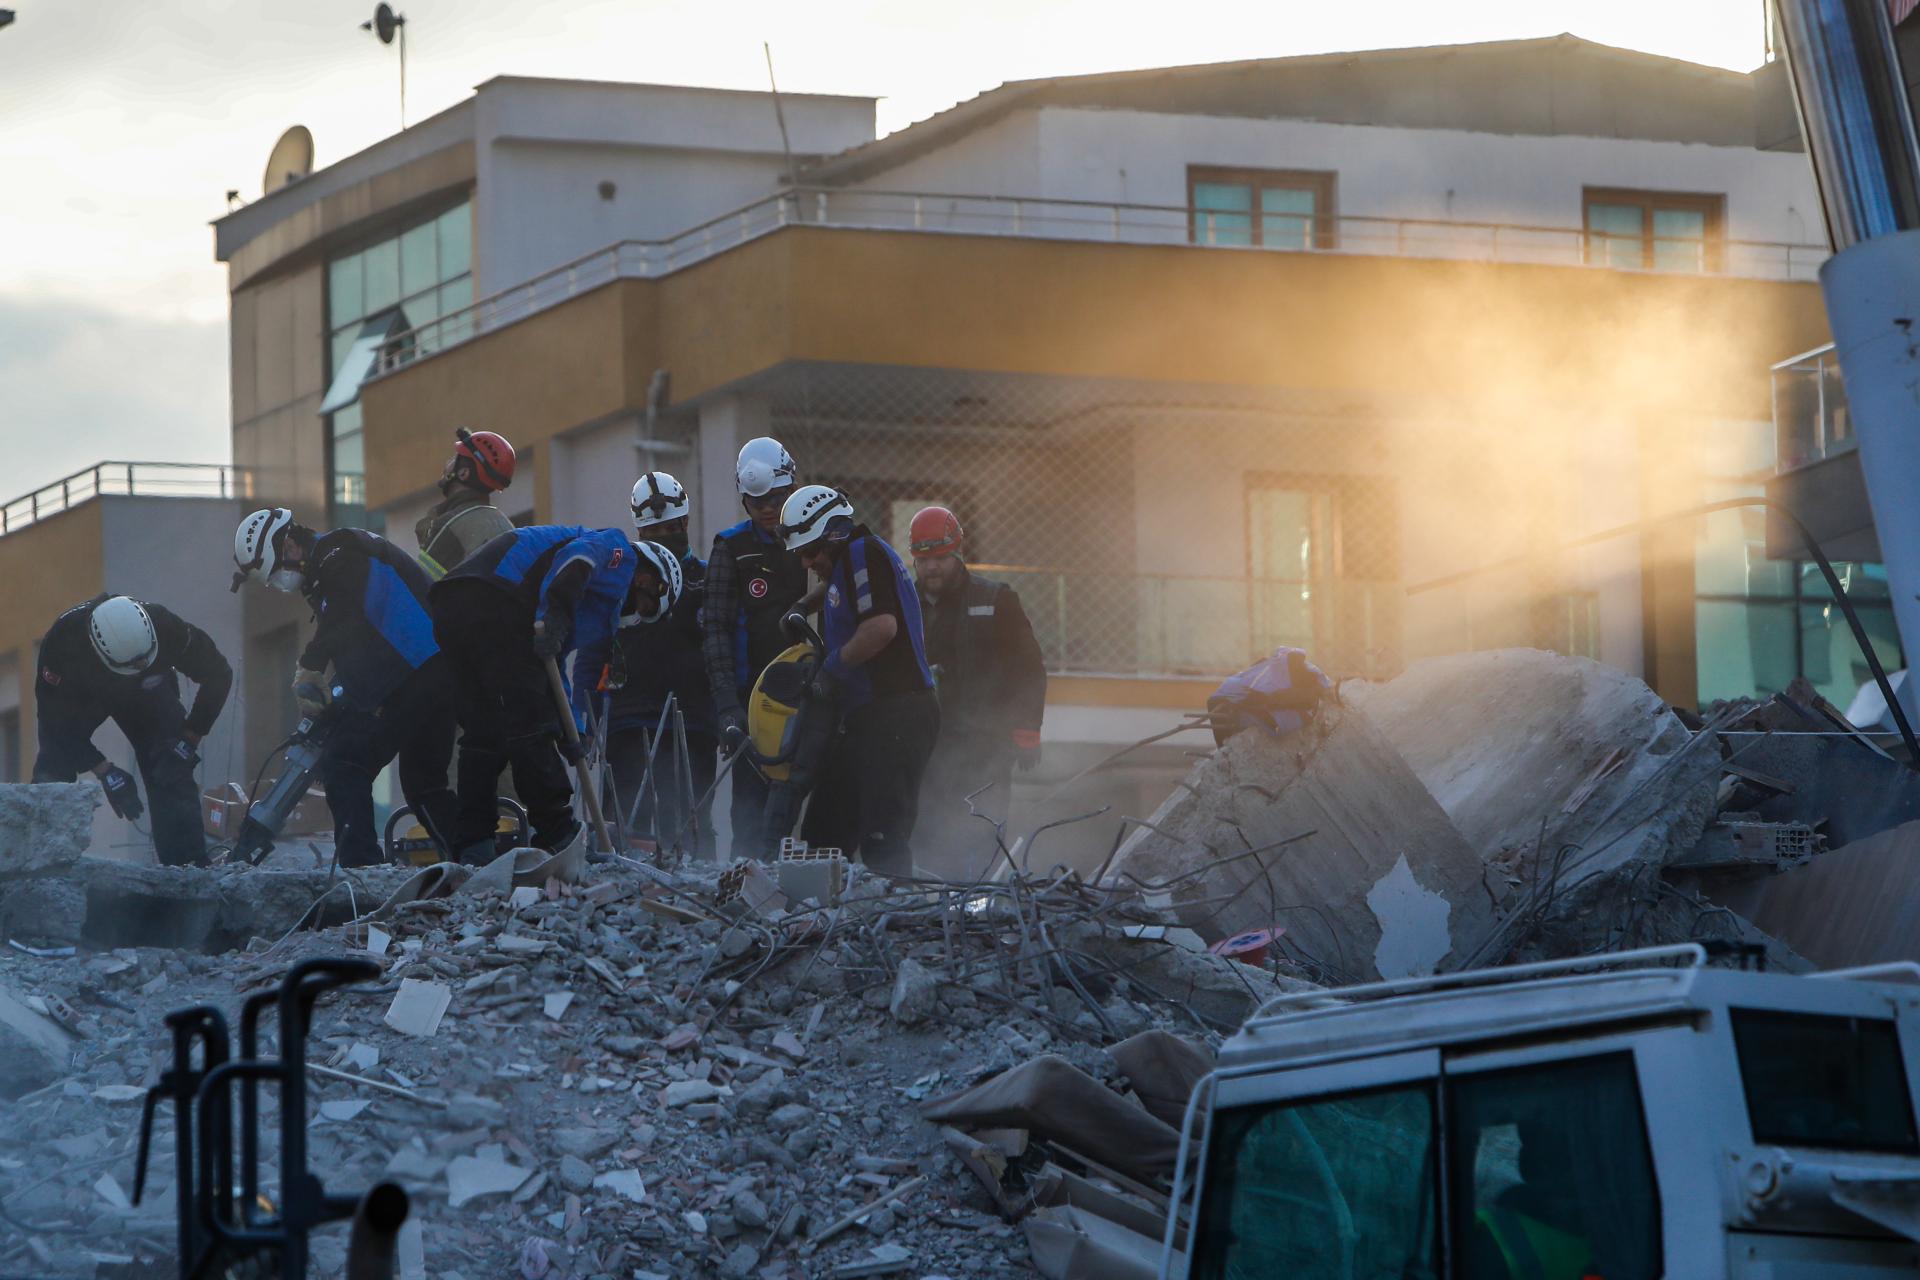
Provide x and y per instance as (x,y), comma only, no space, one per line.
(659,661)
(121,659)
(390,692)
(875,670)
(753,581)
(993,693)
(530,594)
(465,519)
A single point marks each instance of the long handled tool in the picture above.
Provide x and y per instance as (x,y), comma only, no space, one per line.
(580,771)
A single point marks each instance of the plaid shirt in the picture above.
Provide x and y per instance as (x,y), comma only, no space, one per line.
(718,622)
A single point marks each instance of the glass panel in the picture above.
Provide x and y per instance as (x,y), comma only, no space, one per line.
(417,260)
(1551,1174)
(421,312)
(1818,1081)
(1831,659)
(349,453)
(1286,217)
(383,275)
(341,344)
(1333,1189)
(1860,581)
(346,300)
(1730,558)
(1679,240)
(1615,234)
(347,420)
(455,231)
(456,297)
(1222,213)
(1743,650)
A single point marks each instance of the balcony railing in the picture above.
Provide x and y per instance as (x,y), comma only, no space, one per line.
(1053,219)
(126,480)
(1810,416)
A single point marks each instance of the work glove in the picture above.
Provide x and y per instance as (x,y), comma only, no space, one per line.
(310,691)
(182,750)
(549,638)
(1026,749)
(733,728)
(122,797)
(827,677)
(794,624)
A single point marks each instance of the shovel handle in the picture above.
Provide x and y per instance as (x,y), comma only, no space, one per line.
(572,732)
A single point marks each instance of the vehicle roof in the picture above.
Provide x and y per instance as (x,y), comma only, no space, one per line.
(1528,1001)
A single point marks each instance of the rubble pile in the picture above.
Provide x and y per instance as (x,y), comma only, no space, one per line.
(612,1078)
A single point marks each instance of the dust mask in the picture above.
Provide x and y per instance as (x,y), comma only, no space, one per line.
(287,580)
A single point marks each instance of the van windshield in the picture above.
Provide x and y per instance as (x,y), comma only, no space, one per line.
(1814,1080)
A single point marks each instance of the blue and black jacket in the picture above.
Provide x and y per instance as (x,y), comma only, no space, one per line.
(370,610)
(663,658)
(574,579)
(752,582)
(868,579)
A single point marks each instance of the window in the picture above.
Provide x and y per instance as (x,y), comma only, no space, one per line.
(1322,563)
(1822,1081)
(412,277)
(1329,1189)
(1265,208)
(1653,230)
(1549,1172)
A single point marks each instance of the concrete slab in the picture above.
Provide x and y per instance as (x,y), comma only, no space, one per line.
(1340,780)
(45,826)
(1850,906)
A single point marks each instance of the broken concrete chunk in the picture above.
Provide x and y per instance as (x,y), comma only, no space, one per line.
(554,1005)
(1316,818)
(471,1177)
(34,1051)
(625,1183)
(44,826)
(575,1174)
(418,1007)
(685,1092)
(915,989)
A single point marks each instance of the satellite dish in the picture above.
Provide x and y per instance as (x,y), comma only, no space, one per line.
(385,22)
(290,160)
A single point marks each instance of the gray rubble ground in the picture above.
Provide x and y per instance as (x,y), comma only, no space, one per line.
(701,1106)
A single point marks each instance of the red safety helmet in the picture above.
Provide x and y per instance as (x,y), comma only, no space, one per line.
(491,455)
(934,532)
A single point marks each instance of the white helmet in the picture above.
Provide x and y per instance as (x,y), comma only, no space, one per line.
(123,635)
(253,544)
(666,567)
(763,467)
(807,513)
(658,498)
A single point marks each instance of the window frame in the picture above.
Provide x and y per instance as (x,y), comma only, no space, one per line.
(1324,183)
(1752,1015)
(1712,241)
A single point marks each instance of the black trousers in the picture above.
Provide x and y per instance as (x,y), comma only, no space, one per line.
(415,723)
(152,720)
(868,797)
(507,714)
(627,754)
(949,842)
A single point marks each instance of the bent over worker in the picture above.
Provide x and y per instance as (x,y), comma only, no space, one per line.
(993,693)
(875,670)
(121,659)
(373,643)
(465,519)
(546,591)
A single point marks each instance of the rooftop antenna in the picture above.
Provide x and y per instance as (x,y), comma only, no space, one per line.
(786,145)
(290,160)
(387,24)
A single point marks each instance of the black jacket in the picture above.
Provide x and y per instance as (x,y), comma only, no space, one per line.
(993,678)
(73,689)
(664,657)
(370,613)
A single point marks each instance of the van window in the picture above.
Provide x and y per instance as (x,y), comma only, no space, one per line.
(1550,1173)
(1815,1080)
(1335,1188)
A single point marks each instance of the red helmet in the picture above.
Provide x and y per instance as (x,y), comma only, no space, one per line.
(934,532)
(491,455)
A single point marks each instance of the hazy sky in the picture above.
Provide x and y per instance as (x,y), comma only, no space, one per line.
(124,122)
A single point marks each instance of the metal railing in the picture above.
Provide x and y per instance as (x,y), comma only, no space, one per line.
(1170,625)
(125,480)
(1079,220)
(1811,420)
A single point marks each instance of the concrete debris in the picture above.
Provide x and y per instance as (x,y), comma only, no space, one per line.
(623,1182)
(34,1050)
(44,826)
(1309,823)
(916,991)
(1072,1244)
(418,1007)
(1413,924)
(471,1177)
(1856,905)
